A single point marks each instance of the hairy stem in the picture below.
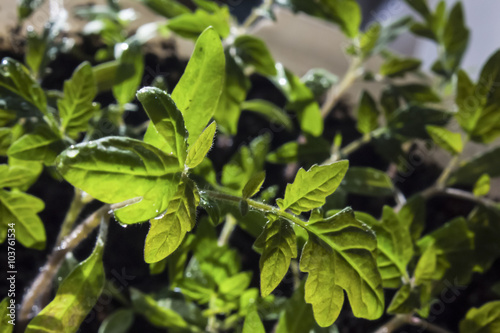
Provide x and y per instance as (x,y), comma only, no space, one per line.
(336,92)
(75,209)
(66,245)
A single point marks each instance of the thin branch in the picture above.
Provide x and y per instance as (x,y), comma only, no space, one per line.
(393,324)
(459,194)
(415,321)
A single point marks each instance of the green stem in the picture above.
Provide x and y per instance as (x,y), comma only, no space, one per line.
(74,211)
(355,145)
(212,319)
(459,194)
(227,230)
(443,178)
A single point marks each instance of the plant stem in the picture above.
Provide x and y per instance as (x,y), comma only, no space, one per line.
(66,245)
(212,319)
(443,178)
(401,320)
(227,230)
(415,321)
(336,92)
(459,194)
(75,209)
(393,324)
(355,145)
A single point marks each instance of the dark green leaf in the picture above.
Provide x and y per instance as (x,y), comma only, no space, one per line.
(105,75)
(26,7)
(412,215)
(254,184)
(310,188)
(168,231)
(22,208)
(417,93)
(253,52)
(115,169)
(75,298)
(411,121)
(118,322)
(367,181)
(340,255)
(319,80)
(270,111)
(470,170)
(297,316)
(197,93)
(279,248)
(367,114)
(7,315)
(131,61)
(485,319)
(395,67)
(420,6)
(167,8)
(76,107)
(406,300)
(167,131)
(314,149)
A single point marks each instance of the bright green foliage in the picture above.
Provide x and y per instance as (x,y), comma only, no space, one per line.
(395,67)
(367,114)
(118,322)
(253,52)
(167,8)
(129,72)
(5,326)
(279,246)
(394,244)
(268,110)
(253,324)
(75,298)
(168,231)
(76,107)
(340,255)
(191,25)
(116,169)
(345,13)
(17,84)
(412,215)
(452,142)
(485,319)
(406,300)
(297,317)
(156,314)
(310,188)
(300,99)
(167,131)
(197,93)
(22,208)
(254,184)
(19,174)
(482,186)
(201,147)
(367,181)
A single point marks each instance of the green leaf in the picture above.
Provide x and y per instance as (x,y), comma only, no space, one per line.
(75,298)
(412,215)
(394,244)
(167,131)
(118,322)
(369,39)
(234,286)
(395,67)
(412,120)
(168,231)
(156,314)
(253,185)
(76,107)
(167,8)
(5,140)
(234,92)
(367,114)
(279,247)
(345,13)
(448,250)
(310,188)
(191,25)
(468,102)
(301,100)
(313,150)
(417,93)
(297,316)
(17,83)
(420,6)
(367,181)
(470,170)
(253,52)
(485,223)
(485,319)
(22,208)
(270,111)
(201,147)
(319,80)
(115,169)
(482,186)
(198,91)
(41,145)
(131,61)
(105,74)
(253,324)
(452,142)
(340,255)
(406,300)
(26,7)
(19,174)
(248,161)
(5,314)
